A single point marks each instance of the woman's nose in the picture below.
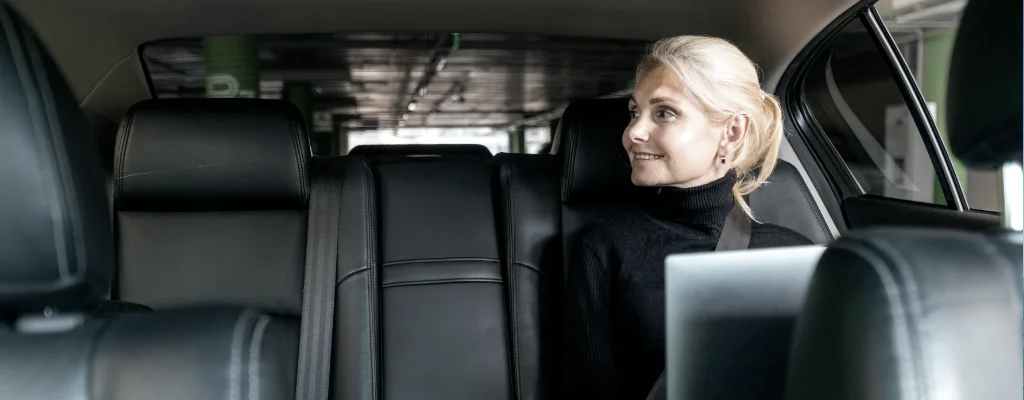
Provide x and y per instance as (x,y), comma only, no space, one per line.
(636,132)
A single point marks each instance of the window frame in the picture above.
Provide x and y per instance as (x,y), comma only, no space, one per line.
(834,171)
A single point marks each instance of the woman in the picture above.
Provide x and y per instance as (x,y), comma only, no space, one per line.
(702,135)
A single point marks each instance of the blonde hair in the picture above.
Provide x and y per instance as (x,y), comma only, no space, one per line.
(725,82)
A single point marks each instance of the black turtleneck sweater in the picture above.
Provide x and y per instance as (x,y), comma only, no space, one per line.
(616,285)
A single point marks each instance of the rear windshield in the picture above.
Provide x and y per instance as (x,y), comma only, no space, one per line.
(499,90)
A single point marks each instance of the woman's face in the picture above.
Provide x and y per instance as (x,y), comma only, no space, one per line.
(669,140)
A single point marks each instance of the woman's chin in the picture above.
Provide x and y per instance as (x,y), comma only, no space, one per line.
(643,181)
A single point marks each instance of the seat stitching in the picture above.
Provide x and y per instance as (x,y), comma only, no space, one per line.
(119,185)
(899,312)
(351,274)
(235,387)
(254,356)
(514,316)
(371,278)
(420,282)
(814,207)
(440,260)
(293,132)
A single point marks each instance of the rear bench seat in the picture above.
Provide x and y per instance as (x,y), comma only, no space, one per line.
(446,292)
(210,200)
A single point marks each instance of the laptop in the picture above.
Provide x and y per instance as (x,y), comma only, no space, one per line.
(729,319)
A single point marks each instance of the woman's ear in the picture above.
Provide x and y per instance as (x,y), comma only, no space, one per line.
(736,131)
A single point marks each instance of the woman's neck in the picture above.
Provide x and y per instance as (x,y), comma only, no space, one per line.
(705,205)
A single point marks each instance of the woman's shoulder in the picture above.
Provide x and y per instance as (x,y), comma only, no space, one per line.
(771,235)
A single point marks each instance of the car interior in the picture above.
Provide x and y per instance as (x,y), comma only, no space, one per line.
(159,242)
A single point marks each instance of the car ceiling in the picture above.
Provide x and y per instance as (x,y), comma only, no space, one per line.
(95,42)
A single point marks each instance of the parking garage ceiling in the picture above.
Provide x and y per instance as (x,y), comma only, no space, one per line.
(382,81)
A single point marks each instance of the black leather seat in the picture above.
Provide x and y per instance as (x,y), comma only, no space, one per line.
(895,314)
(595,175)
(444,295)
(398,152)
(211,200)
(56,266)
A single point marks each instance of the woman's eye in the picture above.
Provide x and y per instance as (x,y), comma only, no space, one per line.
(664,114)
(633,114)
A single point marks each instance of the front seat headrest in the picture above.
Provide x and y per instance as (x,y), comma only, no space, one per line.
(595,168)
(212,155)
(56,243)
(984,97)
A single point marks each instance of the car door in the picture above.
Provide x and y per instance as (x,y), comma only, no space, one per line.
(863,130)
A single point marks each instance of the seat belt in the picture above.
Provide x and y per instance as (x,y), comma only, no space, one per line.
(735,236)
(312,380)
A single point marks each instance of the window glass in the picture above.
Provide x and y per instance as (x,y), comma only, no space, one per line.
(498,90)
(853,96)
(925,35)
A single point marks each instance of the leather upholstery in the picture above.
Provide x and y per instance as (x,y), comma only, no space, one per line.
(212,154)
(532,254)
(984,102)
(55,247)
(195,354)
(57,251)
(595,168)
(222,221)
(786,201)
(396,152)
(356,366)
(912,314)
(444,278)
(183,259)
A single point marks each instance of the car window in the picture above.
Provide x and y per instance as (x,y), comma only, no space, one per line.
(851,94)
(502,91)
(925,36)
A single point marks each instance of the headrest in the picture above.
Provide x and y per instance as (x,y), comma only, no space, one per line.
(984,95)
(418,151)
(56,244)
(210,155)
(594,165)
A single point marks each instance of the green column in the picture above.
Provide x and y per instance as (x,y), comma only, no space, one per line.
(938,51)
(517,140)
(232,66)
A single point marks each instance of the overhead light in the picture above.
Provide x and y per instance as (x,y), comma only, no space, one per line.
(422,91)
(405,116)
(412,106)
(441,61)
(401,123)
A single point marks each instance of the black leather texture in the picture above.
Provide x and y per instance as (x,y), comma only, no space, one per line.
(595,168)
(55,237)
(356,370)
(532,254)
(436,210)
(398,152)
(241,258)
(903,313)
(786,201)
(188,354)
(210,155)
(985,101)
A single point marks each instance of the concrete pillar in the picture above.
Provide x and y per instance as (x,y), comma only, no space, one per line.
(517,140)
(301,95)
(341,137)
(232,66)
(938,50)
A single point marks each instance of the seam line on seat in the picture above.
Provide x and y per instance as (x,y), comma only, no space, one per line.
(814,207)
(512,286)
(439,260)
(254,356)
(440,281)
(350,274)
